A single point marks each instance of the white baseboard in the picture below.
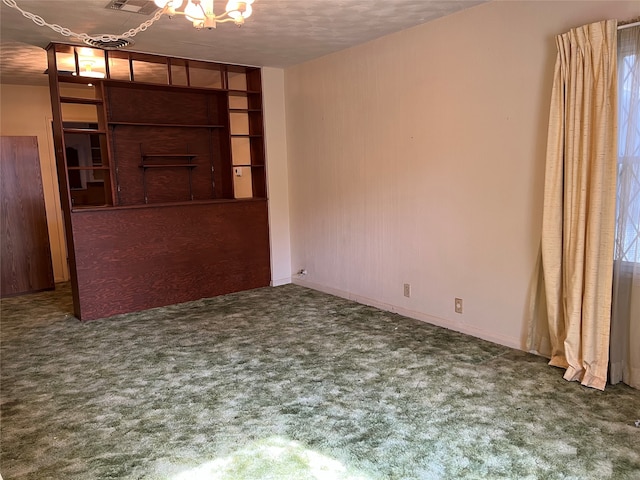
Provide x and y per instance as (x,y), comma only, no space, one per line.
(423,317)
(276,282)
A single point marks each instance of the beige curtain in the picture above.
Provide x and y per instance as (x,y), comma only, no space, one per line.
(579,205)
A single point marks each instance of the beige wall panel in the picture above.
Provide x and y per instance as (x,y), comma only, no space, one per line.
(419,158)
(277,174)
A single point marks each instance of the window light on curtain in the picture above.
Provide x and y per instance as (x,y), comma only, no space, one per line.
(625,321)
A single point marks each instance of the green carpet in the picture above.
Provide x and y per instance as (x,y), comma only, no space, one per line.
(290,383)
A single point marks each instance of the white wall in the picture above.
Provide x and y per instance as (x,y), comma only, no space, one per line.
(419,158)
(277,174)
(26,111)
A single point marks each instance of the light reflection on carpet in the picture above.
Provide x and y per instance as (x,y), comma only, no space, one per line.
(273,458)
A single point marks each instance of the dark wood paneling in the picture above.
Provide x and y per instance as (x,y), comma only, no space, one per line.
(164,185)
(24,239)
(133,259)
(168,105)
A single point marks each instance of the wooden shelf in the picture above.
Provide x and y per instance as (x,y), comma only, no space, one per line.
(88,168)
(168,125)
(167,165)
(169,155)
(79,79)
(82,101)
(246,135)
(189,156)
(245,110)
(242,93)
(82,130)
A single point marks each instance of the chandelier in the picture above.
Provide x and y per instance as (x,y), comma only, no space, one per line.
(201,13)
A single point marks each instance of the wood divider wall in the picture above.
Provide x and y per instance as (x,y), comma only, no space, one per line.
(164,191)
(136,258)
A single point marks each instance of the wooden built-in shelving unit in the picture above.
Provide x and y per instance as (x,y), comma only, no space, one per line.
(158,133)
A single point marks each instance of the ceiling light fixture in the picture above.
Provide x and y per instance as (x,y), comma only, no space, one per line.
(202,15)
(199,12)
(87,70)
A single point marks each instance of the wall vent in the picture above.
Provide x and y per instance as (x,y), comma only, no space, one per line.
(143,7)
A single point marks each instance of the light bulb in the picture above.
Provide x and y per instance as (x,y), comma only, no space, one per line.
(235,11)
(88,70)
(207,6)
(173,4)
(194,12)
(170,5)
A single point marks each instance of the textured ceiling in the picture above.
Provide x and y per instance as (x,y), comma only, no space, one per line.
(280,33)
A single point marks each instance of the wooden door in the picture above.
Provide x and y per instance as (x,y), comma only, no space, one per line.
(24,239)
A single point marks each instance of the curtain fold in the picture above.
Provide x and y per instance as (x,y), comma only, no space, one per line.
(625,322)
(579,203)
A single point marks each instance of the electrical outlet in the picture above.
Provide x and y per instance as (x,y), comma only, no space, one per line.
(407,290)
(458,304)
